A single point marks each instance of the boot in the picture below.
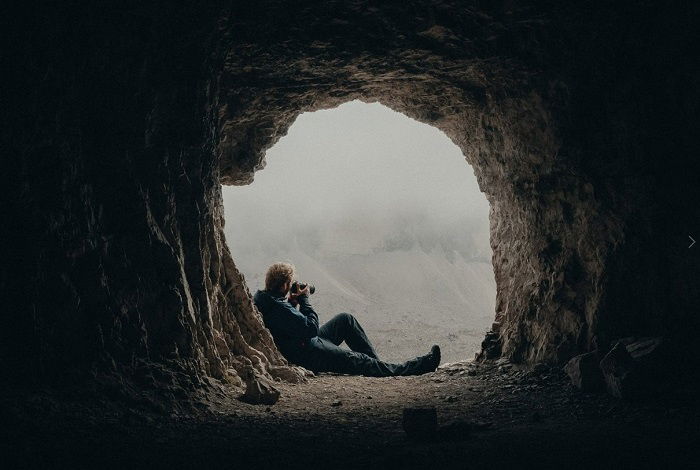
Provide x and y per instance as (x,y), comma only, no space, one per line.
(422,364)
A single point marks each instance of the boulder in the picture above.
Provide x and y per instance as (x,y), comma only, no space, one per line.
(617,367)
(260,391)
(490,347)
(633,370)
(584,372)
(649,353)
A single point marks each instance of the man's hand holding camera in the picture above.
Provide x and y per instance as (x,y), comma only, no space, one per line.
(298,290)
(305,291)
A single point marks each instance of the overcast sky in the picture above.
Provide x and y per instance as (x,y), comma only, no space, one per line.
(358,163)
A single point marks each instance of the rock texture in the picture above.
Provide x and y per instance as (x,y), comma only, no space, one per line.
(120,124)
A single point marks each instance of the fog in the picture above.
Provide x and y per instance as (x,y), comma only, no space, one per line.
(377,210)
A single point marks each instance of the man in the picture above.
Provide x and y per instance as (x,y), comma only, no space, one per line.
(302,342)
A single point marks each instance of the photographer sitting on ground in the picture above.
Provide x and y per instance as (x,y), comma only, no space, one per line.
(302,342)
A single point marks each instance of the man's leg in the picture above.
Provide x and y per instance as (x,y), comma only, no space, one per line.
(344,327)
(324,356)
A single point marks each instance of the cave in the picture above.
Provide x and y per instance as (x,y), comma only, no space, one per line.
(121,123)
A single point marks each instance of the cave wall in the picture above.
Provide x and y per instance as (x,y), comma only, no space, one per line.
(122,122)
(114,263)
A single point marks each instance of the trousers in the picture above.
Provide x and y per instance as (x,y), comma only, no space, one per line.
(324,354)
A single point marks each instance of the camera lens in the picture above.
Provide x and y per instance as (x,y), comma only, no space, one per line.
(297,286)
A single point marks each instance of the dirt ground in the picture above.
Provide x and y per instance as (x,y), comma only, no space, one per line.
(489,416)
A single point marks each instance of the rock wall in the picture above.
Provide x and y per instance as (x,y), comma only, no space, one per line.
(122,123)
(115,263)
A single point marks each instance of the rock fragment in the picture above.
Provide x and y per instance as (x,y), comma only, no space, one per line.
(584,372)
(617,365)
(259,391)
(632,370)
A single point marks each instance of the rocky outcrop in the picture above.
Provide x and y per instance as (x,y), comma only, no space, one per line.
(115,264)
(633,368)
(120,124)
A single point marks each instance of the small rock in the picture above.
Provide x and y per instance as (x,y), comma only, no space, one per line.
(336,403)
(584,372)
(259,390)
(632,370)
(617,365)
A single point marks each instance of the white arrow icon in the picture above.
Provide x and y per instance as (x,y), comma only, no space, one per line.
(691,239)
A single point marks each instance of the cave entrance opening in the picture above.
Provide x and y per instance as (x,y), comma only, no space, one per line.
(384,215)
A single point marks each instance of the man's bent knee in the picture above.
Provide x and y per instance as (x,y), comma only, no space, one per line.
(346,317)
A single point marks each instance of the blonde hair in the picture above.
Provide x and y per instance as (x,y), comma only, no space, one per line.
(277,275)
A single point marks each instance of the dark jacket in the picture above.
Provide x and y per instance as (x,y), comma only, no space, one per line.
(291,328)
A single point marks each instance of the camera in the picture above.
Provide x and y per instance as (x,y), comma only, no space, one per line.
(297,286)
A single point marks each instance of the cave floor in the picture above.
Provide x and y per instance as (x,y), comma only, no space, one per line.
(489,416)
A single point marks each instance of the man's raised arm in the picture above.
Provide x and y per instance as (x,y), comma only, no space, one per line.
(308,311)
(280,315)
